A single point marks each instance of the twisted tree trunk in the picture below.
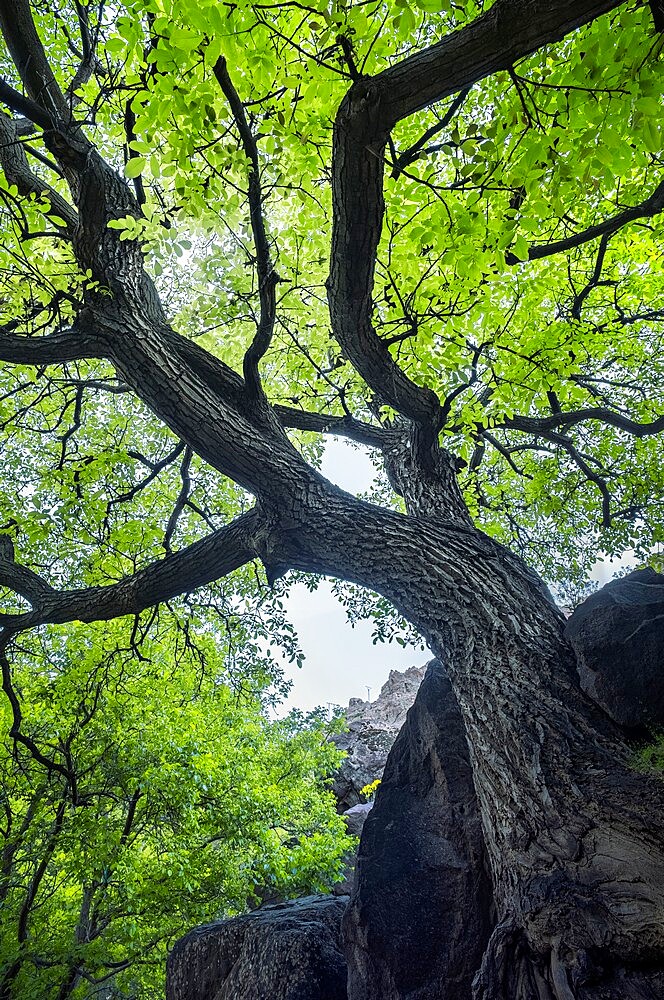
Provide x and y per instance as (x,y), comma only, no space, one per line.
(572,833)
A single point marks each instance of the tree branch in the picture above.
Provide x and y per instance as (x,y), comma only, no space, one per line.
(652,205)
(17,170)
(509,31)
(540,425)
(194,566)
(74,344)
(24,581)
(415,151)
(358,207)
(27,52)
(25,107)
(329,423)
(267,276)
(15,733)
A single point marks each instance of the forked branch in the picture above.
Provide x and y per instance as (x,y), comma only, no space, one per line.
(371,108)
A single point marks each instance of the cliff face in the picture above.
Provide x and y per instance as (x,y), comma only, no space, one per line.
(420,875)
(372,729)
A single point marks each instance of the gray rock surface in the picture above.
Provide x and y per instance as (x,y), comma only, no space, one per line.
(287,951)
(356,816)
(421,911)
(372,729)
(618,636)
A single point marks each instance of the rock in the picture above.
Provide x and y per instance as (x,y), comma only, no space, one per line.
(618,637)
(287,951)
(388,711)
(372,729)
(421,909)
(356,816)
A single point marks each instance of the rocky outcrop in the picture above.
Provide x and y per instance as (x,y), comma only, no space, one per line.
(618,636)
(373,726)
(420,913)
(356,817)
(372,730)
(287,951)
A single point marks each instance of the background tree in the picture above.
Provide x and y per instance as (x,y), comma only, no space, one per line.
(147,794)
(431,228)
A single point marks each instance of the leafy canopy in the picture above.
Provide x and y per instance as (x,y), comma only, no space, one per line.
(488,287)
(182,803)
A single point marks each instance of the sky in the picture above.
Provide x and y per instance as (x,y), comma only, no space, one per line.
(341,661)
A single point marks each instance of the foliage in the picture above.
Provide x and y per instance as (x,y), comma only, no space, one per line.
(168,798)
(175,211)
(565,140)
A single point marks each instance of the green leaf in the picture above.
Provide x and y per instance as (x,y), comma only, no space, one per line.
(135,166)
(520,248)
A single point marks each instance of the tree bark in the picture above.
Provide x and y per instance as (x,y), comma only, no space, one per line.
(572,832)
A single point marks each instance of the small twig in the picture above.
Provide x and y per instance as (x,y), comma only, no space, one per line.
(415,151)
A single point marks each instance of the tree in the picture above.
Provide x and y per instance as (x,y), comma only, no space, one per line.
(167,799)
(431,228)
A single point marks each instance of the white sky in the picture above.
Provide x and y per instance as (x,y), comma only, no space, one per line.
(341,661)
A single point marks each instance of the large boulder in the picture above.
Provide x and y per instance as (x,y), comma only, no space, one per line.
(618,636)
(421,910)
(372,729)
(287,951)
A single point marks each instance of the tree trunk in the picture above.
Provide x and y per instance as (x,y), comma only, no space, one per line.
(573,834)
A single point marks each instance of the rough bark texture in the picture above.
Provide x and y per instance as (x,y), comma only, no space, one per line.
(288,951)
(572,833)
(421,909)
(618,637)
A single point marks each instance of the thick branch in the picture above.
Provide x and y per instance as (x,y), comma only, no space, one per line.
(507,32)
(198,564)
(358,206)
(204,403)
(540,425)
(24,106)
(27,52)
(56,349)
(511,30)
(328,423)
(24,581)
(17,170)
